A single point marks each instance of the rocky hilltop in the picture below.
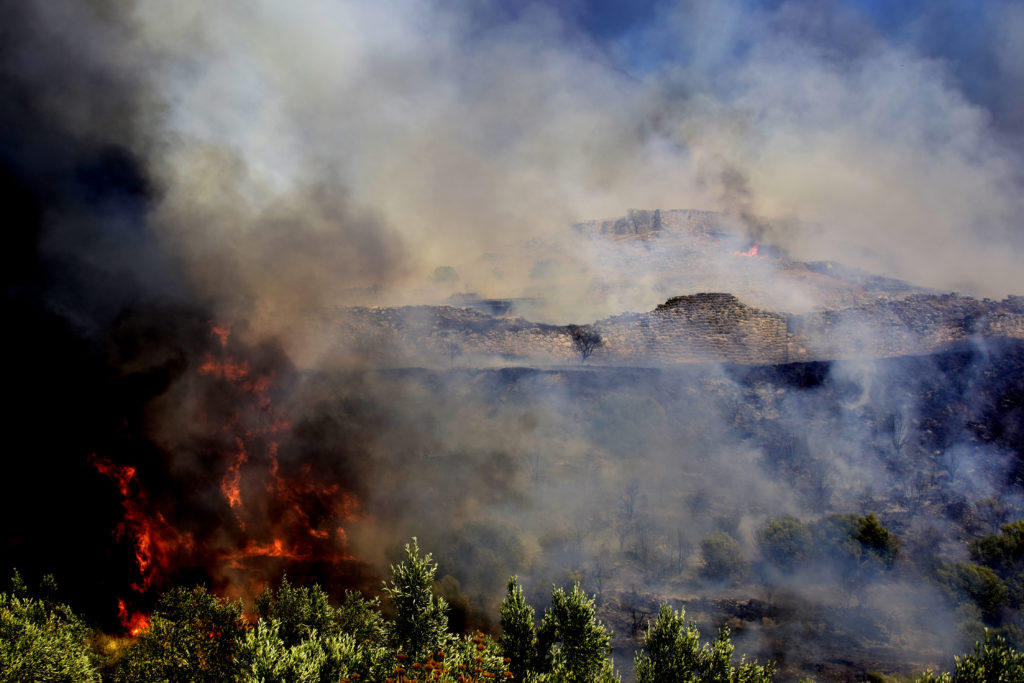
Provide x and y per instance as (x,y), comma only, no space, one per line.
(754,305)
(696,328)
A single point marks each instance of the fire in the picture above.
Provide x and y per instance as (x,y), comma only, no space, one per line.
(121,475)
(277,548)
(749,252)
(273,509)
(221,332)
(224,369)
(135,623)
(230,485)
(291,497)
(156,541)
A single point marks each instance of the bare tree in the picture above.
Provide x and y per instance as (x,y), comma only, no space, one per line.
(900,433)
(629,498)
(585,339)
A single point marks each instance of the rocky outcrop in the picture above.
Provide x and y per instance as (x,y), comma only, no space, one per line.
(636,222)
(698,327)
(705,327)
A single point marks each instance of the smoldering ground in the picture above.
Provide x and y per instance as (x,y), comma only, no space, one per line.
(171,169)
(616,476)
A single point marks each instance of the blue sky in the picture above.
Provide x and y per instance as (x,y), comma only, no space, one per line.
(959,33)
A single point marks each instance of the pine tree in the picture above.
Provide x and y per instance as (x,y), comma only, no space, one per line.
(518,631)
(42,640)
(421,620)
(672,654)
(575,645)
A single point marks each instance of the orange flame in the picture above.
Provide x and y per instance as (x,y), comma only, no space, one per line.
(224,369)
(299,515)
(749,252)
(135,623)
(221,332)
(122,475)
(155,540)
(230,485)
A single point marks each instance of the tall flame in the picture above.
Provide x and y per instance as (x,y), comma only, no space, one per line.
(156,542)
(135,623)
(273,511)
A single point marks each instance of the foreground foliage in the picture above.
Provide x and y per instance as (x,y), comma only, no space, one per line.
(42,640)
(992,661)
(673,654)
(301,636)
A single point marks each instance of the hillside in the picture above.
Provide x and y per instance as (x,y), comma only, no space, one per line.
(704,327)
(722,298)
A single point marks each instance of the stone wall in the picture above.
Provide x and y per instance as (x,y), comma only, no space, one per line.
(699,327)
(706,327)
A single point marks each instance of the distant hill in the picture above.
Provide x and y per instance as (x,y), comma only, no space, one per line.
(763,307)
(703,327)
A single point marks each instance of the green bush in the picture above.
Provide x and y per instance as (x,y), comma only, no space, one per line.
(41,640)
(193,636)
(971,582)
(672,654)
(518,631)
(420,625)
(992,661)
(298,611)
(722,555)
(876,541)
(862,542)
(264,657)
(574,645)
(785,542)
(1003,552)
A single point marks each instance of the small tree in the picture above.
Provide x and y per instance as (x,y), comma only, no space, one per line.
(41,640)
(723,557)
(877,541)
(862,542)
(993,661)
(264,657)
(518,631)
(360,618)
(672,654)
(1003,552)
(585,339)
(963,581)
(299,611)
(574,644)
(193,636)
(785,542)
(421,620)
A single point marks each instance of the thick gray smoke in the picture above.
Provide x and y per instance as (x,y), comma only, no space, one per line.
(317,152)
(266,163)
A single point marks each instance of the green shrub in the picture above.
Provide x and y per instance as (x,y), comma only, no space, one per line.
(420,625)
(785,542)
(298,611)
(193,636)
(963,581)
(1003,552)
(992,661)
(864,542)
(722,555)
(672,654)
(41,640)
(518,631)
(574,645)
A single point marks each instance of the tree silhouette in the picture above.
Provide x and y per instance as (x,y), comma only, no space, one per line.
(585,339)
